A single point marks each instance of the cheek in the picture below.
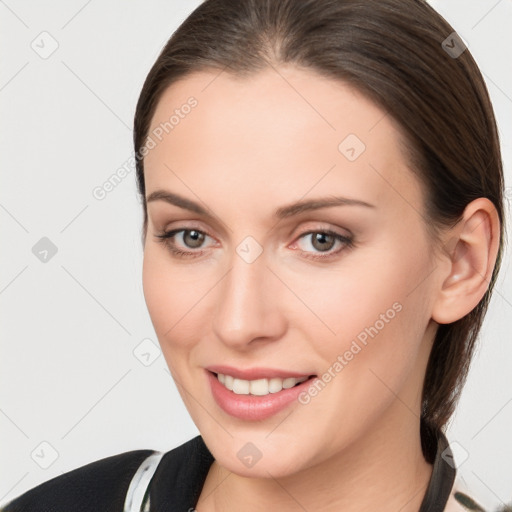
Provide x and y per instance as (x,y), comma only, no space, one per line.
(179,302)
(168,298)
(377,311)
(156,290)
(358,300)
(355,297)
(379,326)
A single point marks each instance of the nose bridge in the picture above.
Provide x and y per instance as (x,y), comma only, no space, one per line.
(247,302)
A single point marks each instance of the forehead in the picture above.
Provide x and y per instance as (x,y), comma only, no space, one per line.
(286,127)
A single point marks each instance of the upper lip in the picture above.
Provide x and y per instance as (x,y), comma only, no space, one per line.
(255,373)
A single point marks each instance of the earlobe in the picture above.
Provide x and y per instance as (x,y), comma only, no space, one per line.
(472,251)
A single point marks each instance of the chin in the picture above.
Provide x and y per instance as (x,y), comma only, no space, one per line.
(253,456)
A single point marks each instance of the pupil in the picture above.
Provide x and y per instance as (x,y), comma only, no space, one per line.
(321,237)
(196,237)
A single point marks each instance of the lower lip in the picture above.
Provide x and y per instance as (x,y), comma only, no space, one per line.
(253,407)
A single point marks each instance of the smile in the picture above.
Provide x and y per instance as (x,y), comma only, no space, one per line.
(258,387)
(257,398)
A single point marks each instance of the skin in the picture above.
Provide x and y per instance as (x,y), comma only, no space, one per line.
(249,147)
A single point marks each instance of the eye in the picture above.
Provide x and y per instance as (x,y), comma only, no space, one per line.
(192,238)
(323,241)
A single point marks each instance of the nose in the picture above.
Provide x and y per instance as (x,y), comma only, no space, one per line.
(248,305)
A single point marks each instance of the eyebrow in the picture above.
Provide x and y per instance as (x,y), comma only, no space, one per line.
(280,213)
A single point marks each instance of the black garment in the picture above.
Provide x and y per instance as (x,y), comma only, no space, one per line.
(101,486)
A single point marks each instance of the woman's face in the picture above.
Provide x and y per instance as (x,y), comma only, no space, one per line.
(267,290)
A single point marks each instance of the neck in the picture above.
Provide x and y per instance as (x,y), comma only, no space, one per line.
(384,470)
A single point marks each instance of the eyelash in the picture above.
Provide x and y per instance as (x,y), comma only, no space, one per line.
(166,236)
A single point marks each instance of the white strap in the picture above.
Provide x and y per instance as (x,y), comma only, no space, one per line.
(140,482)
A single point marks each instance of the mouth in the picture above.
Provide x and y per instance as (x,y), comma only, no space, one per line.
(258,398)
(259,387)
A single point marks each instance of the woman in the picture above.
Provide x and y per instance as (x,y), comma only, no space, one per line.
(319,324)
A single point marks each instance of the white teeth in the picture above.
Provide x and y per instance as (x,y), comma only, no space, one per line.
(258,387)
(228,381)
(289,382)
(241,387)
(275,385)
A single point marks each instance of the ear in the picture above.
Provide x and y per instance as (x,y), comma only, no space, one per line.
(471,253)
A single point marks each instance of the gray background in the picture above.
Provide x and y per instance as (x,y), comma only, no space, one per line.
(81,372)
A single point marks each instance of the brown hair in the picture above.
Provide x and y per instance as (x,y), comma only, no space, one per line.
(392,51)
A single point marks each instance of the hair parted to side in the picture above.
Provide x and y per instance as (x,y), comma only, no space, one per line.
(390,50)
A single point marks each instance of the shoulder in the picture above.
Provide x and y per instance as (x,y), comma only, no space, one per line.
(99,485)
